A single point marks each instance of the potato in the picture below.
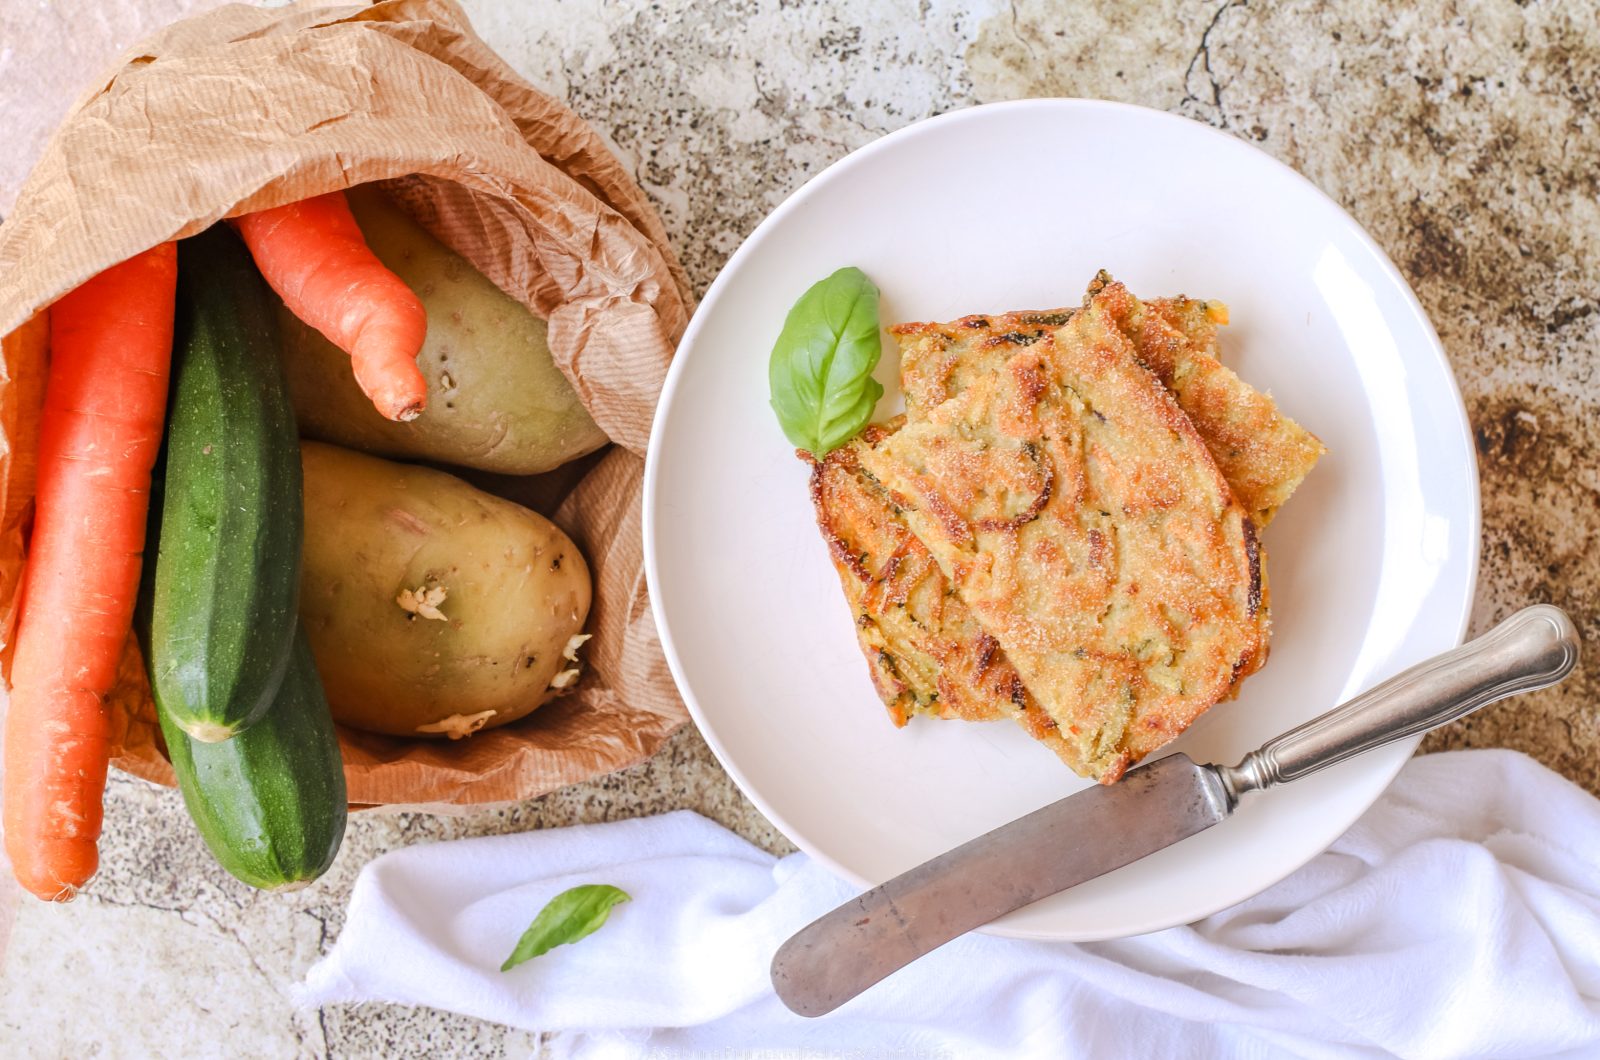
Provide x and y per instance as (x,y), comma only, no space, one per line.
(433,608)
(496,401)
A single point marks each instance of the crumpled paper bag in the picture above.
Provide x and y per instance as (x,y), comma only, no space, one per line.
(244,108)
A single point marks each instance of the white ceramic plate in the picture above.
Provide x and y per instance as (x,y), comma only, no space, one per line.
(1015,206)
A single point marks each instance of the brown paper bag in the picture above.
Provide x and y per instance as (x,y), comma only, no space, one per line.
(245,108)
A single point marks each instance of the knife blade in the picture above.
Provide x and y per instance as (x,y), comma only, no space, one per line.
(1067,842)
(1152,807)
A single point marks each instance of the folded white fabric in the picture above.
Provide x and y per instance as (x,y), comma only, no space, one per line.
(1459,917)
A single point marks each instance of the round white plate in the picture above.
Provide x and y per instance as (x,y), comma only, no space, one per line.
(1014,206)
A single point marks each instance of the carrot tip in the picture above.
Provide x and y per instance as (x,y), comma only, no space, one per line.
(57,882)
(410,412)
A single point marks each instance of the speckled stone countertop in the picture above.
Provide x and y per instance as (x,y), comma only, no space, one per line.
(1462,135)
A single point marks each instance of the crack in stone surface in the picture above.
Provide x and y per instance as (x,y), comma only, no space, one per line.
(1202,59)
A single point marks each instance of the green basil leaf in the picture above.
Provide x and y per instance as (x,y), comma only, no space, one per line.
(821,366)
(568,917)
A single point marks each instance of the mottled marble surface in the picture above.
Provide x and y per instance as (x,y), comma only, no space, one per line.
(1462,135)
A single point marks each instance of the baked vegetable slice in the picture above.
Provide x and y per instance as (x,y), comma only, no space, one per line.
(1078,514)
(270,802)
(927,652)
(227,567)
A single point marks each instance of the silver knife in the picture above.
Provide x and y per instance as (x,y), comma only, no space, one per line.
(1154,806)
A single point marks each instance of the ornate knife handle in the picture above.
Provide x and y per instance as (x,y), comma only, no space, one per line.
(1534,648)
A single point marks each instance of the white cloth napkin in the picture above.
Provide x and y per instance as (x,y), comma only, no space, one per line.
(1459,917)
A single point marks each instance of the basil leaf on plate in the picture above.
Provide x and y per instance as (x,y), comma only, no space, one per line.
(568,917)
(821,367)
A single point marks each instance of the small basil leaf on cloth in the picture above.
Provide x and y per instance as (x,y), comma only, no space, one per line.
(568,917)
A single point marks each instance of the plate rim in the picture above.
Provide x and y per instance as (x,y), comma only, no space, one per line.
(857,158)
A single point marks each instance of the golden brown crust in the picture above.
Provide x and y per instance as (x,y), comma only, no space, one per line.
(938,661)
(1263,454)
(1079,514)
(937,360)
(924,648)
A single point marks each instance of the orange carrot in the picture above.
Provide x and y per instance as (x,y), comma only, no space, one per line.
(314,256)
(99,432)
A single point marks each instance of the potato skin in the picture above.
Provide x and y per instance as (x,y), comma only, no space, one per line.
(515,591)
(496,401)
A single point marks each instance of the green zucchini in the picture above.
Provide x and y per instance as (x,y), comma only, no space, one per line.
(269,802)
(227,567)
